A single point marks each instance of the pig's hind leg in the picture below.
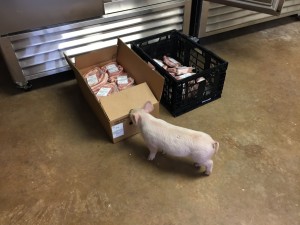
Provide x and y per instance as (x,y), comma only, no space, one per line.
(209,166)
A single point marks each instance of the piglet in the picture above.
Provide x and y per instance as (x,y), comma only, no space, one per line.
(174,140)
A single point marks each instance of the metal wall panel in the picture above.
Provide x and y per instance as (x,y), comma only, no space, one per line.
(18,15)
(272,7)
(40,53)
(217,18)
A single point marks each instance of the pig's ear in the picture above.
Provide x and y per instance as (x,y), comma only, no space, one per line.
(148,107)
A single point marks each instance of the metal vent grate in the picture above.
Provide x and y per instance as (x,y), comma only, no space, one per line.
(217,18)
(40,53)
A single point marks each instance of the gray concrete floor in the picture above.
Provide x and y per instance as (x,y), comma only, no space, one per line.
(57,166)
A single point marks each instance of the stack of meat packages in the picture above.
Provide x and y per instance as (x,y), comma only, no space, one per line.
(180,72)
(174,67)
(108,79)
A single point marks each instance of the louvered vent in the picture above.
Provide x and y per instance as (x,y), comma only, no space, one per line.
(218,18)
(40,53)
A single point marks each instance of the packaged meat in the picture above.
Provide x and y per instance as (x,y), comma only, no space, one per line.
(124,82)
(172,70)
(113,69)
(105,90)
(160,63)
(97,87)
(173,74)
(184,70)
(171,62)
(180,70)
(180,77)
(114,78)
(95,77)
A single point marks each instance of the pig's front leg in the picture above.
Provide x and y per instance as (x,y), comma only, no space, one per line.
(152,153)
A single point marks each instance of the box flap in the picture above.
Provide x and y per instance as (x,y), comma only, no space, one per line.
(70,62)
(119,104)
(133,64)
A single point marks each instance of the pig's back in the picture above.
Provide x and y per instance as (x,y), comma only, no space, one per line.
(175,140)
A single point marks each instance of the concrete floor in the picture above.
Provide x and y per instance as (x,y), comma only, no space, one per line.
(57,166)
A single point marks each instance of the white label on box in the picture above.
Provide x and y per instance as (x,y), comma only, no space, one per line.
(92,80)
(103,92)
(112,68)
(117,130)
(122,80)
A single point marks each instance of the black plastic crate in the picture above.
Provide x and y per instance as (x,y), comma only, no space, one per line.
(181,96)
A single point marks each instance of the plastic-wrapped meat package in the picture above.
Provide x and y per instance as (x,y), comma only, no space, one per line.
(124,82)
(105,90)
(180,70)
(171,62)
(113,69)
(172,70)
(180,77)
(161,64)
(184,70)
(96,76)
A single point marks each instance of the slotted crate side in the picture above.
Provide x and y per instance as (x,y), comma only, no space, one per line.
(181,96)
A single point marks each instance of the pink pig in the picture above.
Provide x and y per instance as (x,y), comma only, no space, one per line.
(174,140)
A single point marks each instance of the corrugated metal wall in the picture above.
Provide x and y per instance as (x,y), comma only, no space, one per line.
(217,18)
(40,53)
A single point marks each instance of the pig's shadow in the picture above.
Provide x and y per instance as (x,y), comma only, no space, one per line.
(164,162)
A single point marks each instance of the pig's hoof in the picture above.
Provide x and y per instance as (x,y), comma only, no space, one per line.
(206,173)
(150,158)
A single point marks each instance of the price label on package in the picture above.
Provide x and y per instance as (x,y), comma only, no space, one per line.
(117,130)
(122,80)
(112,68)
(103,92)
(92,80)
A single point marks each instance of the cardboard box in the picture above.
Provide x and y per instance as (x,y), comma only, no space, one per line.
(113,110)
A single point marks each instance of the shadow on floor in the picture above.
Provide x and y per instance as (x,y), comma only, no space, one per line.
(74,100)
(8,87)
(162,162)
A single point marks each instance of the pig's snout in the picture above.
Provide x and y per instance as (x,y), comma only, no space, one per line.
(130,116)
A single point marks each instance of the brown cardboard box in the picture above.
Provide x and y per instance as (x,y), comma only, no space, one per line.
(113,110)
